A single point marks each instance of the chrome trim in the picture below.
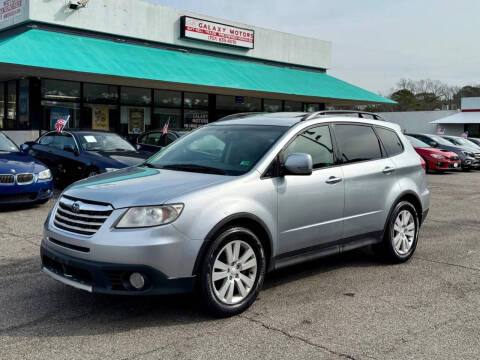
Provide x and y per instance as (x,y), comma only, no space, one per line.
(85,206)
(58,216)
(62,279)
(97,217)
(25,183)
(55,222)
(8,183)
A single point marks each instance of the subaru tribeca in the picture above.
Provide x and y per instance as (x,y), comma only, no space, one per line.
(218,208)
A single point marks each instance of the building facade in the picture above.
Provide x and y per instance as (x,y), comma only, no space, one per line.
(129,66)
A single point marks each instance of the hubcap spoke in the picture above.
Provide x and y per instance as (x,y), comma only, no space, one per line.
(249,264)
(219,275)
(230,292)
(241,287)
(236,251)
(229,253)
(223,290)
(220,265)
(404,232)
(246,280)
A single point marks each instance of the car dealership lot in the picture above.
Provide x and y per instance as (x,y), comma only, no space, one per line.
(345,307)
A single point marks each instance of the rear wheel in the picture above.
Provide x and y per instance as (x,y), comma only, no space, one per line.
(401,235)
(233,272)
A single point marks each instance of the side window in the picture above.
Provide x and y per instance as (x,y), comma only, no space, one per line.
(316,142)
(48,140)
(357,143)
(390,140)
(65,139)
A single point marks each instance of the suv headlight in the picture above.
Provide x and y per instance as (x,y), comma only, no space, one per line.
(466,153)
(44,175)
(437,156)
(137,217)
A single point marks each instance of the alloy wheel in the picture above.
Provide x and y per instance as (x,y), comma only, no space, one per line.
(234,272)
(404,232)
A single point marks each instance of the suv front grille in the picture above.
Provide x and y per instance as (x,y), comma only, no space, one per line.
(477,155)
(83,217)
(7,178)
(24,178)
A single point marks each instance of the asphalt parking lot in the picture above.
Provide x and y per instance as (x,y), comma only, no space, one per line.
(346,307)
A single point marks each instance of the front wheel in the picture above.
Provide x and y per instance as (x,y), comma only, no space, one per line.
(233,272)
(401,234)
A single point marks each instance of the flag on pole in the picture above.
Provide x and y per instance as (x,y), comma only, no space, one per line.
(465,134)
(441,131)
(165,127)
(61,123)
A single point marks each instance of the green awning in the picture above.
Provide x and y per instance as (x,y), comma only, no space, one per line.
(55,50)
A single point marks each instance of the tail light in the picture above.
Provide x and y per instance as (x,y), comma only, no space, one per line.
(424,164)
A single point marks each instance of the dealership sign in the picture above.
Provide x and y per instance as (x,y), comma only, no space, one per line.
(193,28)
(10,8)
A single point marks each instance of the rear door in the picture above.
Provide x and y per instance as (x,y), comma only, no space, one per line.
(310,208)
(369,180)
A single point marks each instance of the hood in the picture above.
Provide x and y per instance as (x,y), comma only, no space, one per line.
(18,162)
(141,186)
(443,152)
(121,159)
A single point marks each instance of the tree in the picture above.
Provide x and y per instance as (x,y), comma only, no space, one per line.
(406,100)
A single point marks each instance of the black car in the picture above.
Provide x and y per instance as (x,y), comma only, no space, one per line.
(154,140)
(76,154)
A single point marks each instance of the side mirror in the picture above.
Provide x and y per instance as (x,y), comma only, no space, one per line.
(70,148)
(299,164)
(25,148)
(138,146)
(433,144)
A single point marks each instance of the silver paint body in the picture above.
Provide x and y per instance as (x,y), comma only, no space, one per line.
(298,211)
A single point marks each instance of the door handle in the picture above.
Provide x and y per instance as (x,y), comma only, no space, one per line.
(333,180)
(388,170)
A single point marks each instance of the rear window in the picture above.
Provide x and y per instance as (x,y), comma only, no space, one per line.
(390,140)
(357,143)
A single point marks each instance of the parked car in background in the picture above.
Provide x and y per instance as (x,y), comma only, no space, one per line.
(460,141)
(474,140)
(22,178)
(436,159)
(154,140)
(224,204)
(76,154)
(469,157)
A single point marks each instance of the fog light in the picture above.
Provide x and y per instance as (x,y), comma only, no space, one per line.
(137,280)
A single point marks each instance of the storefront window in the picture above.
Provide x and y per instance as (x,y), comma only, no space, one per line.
(101,117)
(134,119)
(195,101)
(2,104)
(11,104)
(163,115)
(100,94)
(311,107)
(60,90)
(23,105)
(270,105)
(293,105)
(166,98)
(195,118)
(136,96)
(54,110)
(239,103)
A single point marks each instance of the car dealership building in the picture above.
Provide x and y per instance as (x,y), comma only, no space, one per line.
(129,66)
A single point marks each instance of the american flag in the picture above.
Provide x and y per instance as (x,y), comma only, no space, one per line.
(61,123)
(465,134)
(165,127)
(441,131)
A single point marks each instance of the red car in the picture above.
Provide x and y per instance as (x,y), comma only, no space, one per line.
(435,158)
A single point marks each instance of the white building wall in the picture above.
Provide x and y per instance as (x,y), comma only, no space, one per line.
(142,20)
(419,121)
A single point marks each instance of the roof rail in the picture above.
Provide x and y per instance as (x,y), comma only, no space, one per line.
(359,114)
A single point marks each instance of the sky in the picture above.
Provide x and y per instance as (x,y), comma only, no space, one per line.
(375,42)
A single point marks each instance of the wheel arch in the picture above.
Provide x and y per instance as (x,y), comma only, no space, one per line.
(411,197)
(247,220)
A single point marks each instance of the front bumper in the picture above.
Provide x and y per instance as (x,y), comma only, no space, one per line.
(109,278)
(30,193)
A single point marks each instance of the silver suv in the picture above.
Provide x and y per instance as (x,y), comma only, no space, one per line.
(217,209)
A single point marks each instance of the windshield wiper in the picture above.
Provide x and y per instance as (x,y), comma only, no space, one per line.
(195,168)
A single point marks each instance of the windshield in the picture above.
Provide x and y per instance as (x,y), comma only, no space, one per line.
(417,143)
(103,142)
(6,145)
(440,140)
(464,142)
(219,149)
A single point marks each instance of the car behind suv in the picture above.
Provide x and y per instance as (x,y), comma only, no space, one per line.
(228,202)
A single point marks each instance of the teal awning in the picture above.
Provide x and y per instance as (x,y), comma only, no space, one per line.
(56,50)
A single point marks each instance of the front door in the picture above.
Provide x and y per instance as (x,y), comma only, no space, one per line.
(310,208)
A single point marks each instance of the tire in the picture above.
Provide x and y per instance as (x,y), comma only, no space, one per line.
(223,297)
(400,238)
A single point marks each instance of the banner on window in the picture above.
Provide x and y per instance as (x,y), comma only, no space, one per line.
(100,119)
